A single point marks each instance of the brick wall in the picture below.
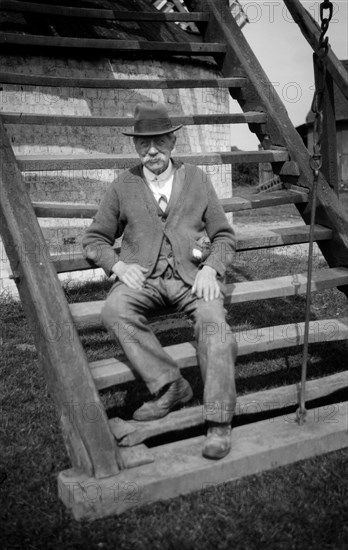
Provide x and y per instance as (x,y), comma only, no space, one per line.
(89,185)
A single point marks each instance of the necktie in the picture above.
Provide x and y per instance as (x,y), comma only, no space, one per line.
(162,201)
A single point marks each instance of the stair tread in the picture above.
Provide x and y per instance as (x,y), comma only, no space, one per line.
(49,162)
(276,287)
(108,372)
(246,240)
(234,204)
(131,432)
(143,46)
(73,120)
(180,468)
(122,83)
(95,13)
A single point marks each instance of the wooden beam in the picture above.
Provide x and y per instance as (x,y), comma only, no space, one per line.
(233,204)
(103,161)
(94,13)
(70,120)
(111,45)
(279,130)
(90,443)
(131,432)
(179,467)
(311,31)
(119,83)
(111,372)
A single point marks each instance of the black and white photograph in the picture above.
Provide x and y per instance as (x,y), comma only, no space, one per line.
(173,275)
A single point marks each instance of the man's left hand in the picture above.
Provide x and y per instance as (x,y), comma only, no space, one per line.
(206,285)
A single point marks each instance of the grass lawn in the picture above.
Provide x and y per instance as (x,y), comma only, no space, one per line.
(302,506)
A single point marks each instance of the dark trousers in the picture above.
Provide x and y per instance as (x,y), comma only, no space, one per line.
(124,315)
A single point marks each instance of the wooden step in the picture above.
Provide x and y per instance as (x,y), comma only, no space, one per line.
(234,204)
(189,120)
(264,200)
(88,313)
(111,45)
(110,372)
(129,433)
(93,13)
(120,83)
(98,161)
(179,467)
(247,240)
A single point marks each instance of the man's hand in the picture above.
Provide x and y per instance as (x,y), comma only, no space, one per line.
(206,285)
(131,275)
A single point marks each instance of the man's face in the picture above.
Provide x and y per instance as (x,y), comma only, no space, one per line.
(155,151)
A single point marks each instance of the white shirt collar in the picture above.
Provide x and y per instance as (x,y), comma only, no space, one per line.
(166,175)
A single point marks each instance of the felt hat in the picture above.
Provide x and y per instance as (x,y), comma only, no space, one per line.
(151,120)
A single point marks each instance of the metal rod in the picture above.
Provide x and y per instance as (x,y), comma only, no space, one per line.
(301,412)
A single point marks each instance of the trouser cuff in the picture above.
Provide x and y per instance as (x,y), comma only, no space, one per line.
(159,383)
(219,412)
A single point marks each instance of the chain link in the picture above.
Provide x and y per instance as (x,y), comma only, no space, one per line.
(325,21)
(317,103)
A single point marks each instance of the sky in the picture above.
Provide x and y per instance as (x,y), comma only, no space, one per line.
(286,56)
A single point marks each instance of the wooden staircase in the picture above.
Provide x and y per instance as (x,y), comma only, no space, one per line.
(112,468)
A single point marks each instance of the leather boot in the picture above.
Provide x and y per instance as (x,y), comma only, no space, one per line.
(218,441)
(174,394)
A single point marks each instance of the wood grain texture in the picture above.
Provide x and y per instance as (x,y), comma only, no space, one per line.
(179,467)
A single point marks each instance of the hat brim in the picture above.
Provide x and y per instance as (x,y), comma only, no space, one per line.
(149,134)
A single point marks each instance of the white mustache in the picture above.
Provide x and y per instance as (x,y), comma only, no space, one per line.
(148,158)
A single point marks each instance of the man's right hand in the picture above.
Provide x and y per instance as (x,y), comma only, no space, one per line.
(131,275)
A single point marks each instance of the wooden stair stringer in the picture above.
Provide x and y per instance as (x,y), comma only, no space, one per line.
(90,445)
(259,94)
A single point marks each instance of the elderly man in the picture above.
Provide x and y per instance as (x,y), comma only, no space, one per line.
(175,247)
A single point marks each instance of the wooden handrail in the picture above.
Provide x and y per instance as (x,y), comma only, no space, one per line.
(311,31)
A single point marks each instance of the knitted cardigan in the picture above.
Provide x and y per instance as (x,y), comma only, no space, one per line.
(129,209)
